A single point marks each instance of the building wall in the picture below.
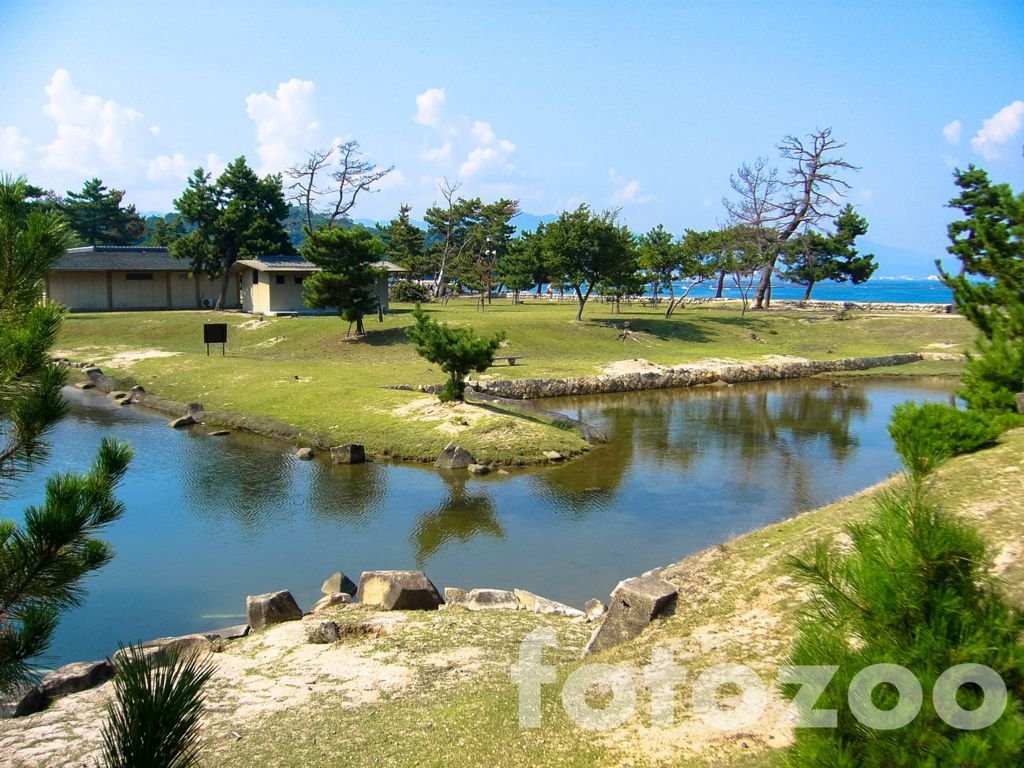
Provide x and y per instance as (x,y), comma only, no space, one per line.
(149,293)
(285,296)
(78,290)
(98,291)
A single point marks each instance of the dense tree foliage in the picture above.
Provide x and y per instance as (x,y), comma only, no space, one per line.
(236,217)
(813,256)
(405,244)
(517,271)
(97,217)
(989,287)
(449,226)
(583,250)
(43,562)
(348,278)
(457,351)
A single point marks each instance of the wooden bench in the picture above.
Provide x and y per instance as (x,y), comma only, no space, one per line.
(511,359)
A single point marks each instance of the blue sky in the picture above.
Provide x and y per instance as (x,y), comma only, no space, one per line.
(647,106)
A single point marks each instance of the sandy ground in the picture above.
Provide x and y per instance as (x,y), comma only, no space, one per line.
(255,676)
(119,359)
(451,418)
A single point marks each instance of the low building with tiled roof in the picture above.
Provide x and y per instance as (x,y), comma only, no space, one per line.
(105,277)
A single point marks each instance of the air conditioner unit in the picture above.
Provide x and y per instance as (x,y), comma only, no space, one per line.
(207,303)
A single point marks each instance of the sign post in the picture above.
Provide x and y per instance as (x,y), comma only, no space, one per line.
(215,333)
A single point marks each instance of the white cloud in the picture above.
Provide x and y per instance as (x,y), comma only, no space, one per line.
(483,158)
(952,132)
(437,154)
(429,106)
(626,191)
(168,168)
(998,130)
(394,180)
(214,165)
(92,133)
(13,147)
(286,125)
(483,133)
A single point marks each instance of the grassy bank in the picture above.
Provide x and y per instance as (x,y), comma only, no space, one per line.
(434,688)
(306,372)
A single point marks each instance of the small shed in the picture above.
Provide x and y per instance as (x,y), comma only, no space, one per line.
(272,284)
(109,277)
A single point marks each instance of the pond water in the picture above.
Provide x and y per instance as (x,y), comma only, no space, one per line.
(210,520)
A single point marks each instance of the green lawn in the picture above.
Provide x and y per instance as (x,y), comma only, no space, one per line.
(306,372)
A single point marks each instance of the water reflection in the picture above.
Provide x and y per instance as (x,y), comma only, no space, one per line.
(462,515)
(349,493)
(211,520)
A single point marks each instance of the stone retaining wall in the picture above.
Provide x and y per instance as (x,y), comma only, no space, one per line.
(693,376)
(865,306)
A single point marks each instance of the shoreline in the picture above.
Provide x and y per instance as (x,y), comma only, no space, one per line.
(443,666)
(518,392)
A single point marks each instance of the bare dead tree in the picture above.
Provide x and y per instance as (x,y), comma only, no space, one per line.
(810,194)
(344,174)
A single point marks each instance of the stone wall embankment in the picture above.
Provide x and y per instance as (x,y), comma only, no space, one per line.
(693,376)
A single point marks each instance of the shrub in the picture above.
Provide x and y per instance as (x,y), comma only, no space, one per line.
(457,350)
(927,435)
(153,720)
(916,591)
(410,292)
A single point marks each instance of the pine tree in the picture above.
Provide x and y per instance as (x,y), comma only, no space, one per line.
(98,218)
(154,718)
(348,278)
(43,562)
(456,350)
(405,243)
(989,288)
(916,590)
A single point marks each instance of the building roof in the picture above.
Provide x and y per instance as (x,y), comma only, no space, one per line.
(133,258)
(282,263)
(119,258)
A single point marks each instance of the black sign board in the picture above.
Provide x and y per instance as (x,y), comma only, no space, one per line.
(215,333)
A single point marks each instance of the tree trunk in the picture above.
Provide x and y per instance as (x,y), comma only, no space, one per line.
(807,293)
(721,284)
(222,295)
(582,299)
(765,284)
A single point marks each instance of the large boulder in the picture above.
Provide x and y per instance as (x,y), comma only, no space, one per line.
(398,591)
(634,604)
(181,421)
(353,453)
(163,648)
(491,600)
(271,608)
(24,699)
(228,633)
(528,601)
(454,457)
(73,678)
(338,582)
